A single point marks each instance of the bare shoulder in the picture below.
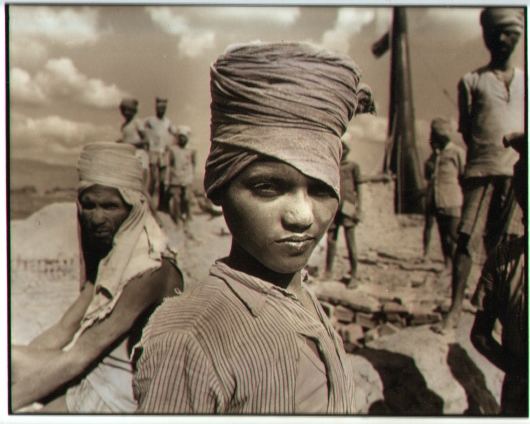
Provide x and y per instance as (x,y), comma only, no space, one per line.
(169,277)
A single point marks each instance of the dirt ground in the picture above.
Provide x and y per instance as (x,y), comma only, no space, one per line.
(411,371)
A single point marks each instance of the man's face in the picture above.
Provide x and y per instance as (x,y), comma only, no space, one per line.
(128,112)
(277,215)
(102,210)
(501,41)
(161,109)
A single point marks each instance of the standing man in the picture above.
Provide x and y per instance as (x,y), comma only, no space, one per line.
(159,131)
(491,105)
(180,175)
(128,269)
(502,294)
(133,132)
(348,215)
(443,171)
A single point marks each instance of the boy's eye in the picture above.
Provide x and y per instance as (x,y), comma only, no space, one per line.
(265,188)
(320,190)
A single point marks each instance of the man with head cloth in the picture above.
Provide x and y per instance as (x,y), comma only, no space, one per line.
(127,269)
(251,339)
(443,171)
(491,103)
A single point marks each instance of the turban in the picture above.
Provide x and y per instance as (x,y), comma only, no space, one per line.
(287,101)
(442,127)
(129,103)
(492,17)
(110,164)
(184,130)
(160,100)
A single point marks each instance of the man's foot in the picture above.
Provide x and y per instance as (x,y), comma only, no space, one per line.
(448,324)
(352,283)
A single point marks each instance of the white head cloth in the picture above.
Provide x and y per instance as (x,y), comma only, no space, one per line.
(138,245)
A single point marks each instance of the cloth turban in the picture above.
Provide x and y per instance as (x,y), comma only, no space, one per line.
(442,127)
(184,130)
(129,103)
(110,164)
(287,101)
(492,17)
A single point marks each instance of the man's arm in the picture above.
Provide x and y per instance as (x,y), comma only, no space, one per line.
(62,332)
(51,368)
(464,112)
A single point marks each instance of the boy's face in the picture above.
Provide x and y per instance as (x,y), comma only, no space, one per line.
(182,140)
(277,215)
(438,142)
(501,41)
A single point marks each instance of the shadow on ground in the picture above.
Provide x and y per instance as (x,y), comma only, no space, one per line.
(404,388)
(479,399)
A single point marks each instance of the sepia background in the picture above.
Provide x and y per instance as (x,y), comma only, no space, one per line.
(70,65)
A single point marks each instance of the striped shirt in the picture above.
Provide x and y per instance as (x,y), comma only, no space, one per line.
(233,346)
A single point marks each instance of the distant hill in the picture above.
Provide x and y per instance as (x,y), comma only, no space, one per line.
(41,175)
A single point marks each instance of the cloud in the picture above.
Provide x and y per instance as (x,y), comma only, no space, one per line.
(61,79)
(250,15)
(194,27)
(53,138)
(69,26)
(27,52)
(367,128)
(192,45)
(349,22)
(24,89)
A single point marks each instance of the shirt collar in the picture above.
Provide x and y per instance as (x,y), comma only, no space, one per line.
(252,291)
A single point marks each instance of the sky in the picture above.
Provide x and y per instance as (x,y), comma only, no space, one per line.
(70,65)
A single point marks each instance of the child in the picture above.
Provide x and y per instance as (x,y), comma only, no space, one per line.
(251,339)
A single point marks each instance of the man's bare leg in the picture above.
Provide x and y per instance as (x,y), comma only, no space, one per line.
(461,270)
(349,233)
(331,252)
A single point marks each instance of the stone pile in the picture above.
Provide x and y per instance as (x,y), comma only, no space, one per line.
(360,318)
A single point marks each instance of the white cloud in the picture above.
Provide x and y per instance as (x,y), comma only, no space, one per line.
(192,45)
(52,138)
(194,29)
(368,127)
(61,79)
(169,19)
(24,89)
(273,15)
(62,25)
(24,52)
(349,22)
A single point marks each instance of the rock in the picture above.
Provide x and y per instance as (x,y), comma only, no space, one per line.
(329,291)
(365,320)
(359,301)
(343,314)
(351,333)
(394,308)
(387,329)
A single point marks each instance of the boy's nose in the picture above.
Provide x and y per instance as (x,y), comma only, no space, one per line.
(299,212)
